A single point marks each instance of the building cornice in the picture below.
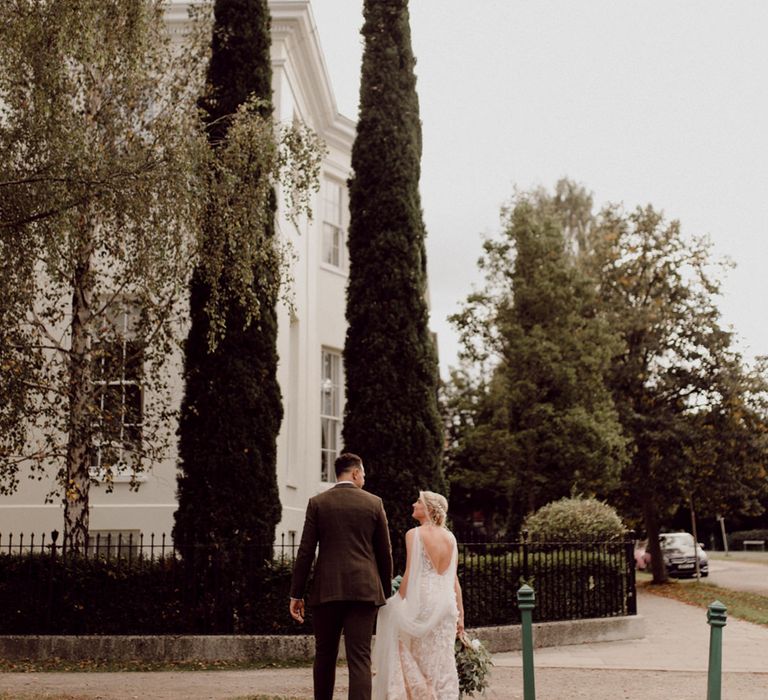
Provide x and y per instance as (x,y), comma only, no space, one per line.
(295,41)
(294,25)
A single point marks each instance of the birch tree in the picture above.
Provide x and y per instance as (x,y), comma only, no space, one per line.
(104,174)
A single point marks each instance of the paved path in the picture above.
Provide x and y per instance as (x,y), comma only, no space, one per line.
(670,662)
(739,575)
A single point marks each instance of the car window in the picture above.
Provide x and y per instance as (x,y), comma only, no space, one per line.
(677,540)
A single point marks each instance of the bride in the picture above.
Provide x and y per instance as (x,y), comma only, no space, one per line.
(413,658)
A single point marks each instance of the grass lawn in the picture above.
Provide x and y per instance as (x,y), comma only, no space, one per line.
(751,607)
(751,557)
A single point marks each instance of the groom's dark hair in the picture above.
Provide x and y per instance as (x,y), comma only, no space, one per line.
(346,462)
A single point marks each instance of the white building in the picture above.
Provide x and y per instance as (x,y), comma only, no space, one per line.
(310,336)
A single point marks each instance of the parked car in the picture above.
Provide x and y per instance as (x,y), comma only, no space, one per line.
(677,548)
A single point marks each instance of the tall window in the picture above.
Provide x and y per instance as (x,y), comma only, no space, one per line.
(118,398)
(330,413)
(333,230)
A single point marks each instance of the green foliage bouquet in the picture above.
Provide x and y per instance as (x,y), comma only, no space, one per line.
(473,662)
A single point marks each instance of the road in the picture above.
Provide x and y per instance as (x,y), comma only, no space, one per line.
(739,575)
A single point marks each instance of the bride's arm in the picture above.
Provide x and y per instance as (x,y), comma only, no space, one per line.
(404,583)
(460,604)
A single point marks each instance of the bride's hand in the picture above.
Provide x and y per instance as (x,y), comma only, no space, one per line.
(460,626)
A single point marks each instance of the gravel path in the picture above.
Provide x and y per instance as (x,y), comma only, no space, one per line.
(551,684)
(670,662)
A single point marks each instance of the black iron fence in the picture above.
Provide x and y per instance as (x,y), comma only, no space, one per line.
(119,585)
(572,580)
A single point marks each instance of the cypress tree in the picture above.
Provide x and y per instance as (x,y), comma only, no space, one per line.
(391,416)
(232,408)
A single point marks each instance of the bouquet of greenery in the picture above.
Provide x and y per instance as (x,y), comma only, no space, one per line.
(473,662)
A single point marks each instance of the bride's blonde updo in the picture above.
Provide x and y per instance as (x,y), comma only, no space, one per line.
(436,505)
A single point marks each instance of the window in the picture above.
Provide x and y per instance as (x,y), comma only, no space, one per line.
(333,231)
(115,544)
(330,413)
(118,398)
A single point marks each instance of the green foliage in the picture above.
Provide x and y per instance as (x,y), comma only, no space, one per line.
(574,520)
(106,179)
(537,420)
(391,416)
(697,416)
(100,152)
(99,596)
(232,408)
(473,663)
(573,583)
(736,539)
(196,594)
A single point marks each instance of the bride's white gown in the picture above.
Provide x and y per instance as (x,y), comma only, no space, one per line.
(413,657)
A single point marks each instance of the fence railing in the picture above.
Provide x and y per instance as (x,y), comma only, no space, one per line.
(573,580)
(150,585)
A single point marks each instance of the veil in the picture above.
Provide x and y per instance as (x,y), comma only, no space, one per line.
(412,616)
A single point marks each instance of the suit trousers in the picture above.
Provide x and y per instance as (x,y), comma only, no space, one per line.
(356,620)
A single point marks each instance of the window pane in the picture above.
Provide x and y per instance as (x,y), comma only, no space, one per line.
(333,192)
(110,456)
(330,409)
(327,404)
(133,411)
(133,359)
(327,365)
(112,414)
(112,360)
(331,245)
(132,437)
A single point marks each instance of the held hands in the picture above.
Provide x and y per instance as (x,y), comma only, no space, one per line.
(297,610)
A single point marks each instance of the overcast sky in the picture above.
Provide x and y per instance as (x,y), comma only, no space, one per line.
(655,102)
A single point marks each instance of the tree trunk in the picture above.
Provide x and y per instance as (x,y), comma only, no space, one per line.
(651,518)
(80,425)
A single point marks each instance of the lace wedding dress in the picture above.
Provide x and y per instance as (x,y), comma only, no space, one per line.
(413,657)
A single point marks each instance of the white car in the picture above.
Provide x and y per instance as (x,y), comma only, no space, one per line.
(679,551)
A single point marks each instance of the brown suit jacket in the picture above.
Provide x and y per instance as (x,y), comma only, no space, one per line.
(355,556)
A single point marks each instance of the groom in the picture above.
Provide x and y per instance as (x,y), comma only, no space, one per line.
(353,576)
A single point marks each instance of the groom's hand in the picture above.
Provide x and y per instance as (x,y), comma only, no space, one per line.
(297,610)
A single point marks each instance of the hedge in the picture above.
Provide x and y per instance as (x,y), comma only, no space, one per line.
(736,539)
(569,584)
(96,596)
(77,595)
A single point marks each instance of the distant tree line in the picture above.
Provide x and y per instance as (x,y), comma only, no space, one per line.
(595,361)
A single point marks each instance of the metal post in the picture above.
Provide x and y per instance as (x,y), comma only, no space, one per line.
(716,616)
(695,533)
(51,576)
(629,560)
(722,530)
(525,555)
(526,602)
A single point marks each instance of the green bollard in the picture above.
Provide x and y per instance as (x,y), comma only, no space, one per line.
(716,620)
(525,601)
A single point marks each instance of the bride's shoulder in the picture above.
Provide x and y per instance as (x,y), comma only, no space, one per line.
(410,534)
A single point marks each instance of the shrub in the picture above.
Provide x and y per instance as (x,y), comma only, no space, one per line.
(75,595)
(575,520)
(573,582)
(736,539)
